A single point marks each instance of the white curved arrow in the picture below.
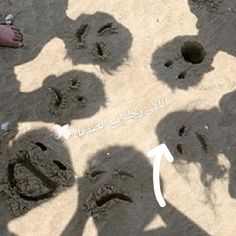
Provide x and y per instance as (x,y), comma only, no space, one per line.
(158,152)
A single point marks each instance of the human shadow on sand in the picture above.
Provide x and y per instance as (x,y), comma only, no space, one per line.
(34,169)
(73,95)
(116,191)
(199,136)
(96,39)
(183,61)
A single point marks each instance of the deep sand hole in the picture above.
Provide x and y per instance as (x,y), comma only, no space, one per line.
(193,52)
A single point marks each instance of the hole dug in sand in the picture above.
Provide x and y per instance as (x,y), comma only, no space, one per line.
(182,75)
(193,52)
(179,148)
(169,63)
(181,131)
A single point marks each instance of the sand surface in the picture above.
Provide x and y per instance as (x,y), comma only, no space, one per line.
(120,77)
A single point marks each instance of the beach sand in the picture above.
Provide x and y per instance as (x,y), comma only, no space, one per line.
(125,76)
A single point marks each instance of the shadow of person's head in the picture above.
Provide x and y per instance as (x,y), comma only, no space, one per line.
(35,169)
(193,138)
(117,192)
(73,95)
(182,62)
(199,136)
(117,185)
(97,39)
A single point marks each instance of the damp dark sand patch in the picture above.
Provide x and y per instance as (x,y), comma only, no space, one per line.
(35,173)
(73,95)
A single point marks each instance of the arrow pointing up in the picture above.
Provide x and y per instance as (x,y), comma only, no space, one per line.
(158,152)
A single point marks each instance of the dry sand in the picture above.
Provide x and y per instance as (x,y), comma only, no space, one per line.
(126,76)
